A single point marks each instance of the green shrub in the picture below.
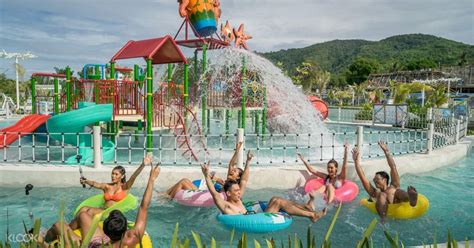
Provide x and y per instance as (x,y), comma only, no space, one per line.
(365,114)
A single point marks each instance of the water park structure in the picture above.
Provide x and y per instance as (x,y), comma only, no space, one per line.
(200,109)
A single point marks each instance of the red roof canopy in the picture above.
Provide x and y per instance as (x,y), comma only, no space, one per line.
(161,50)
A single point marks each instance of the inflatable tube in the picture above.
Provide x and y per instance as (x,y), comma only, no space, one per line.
(201,184)
(146,240)
(320,105)
(258,221)
(346,193)
(130,202)
(196,198)
(402,210)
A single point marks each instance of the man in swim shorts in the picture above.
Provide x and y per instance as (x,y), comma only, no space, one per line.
(389,193)
(234,192)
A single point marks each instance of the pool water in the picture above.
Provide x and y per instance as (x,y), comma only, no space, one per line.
(447,188)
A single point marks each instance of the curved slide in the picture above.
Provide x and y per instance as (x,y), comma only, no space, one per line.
(73,122)
(25,126)
(320,105)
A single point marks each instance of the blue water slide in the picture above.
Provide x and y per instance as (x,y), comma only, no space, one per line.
(67,125)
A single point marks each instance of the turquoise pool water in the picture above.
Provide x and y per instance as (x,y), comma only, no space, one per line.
(449,190)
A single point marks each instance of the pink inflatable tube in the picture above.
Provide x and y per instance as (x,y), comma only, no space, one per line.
(196,198)
(346,193)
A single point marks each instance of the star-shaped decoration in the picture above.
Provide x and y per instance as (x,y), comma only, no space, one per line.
(227,32)
(241,38)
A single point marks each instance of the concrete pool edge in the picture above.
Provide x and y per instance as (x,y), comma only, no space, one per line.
(278,177)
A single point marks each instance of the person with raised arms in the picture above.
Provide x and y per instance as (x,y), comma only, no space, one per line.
(385,191)
(115,232)
(234,191)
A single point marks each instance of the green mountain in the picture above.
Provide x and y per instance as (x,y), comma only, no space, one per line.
(393,53)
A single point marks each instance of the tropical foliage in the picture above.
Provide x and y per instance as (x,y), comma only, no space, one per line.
(401,52)
(311,77)
(8,87)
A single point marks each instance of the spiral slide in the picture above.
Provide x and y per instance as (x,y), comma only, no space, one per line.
(73,122)
(23,127)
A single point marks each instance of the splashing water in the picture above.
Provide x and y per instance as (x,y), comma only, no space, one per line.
(288,109)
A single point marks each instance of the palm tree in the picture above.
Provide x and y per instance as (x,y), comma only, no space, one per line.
(322,79)
(359,91)
(342,95)
(402,91)
(438,96)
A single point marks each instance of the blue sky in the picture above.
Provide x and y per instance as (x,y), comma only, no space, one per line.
(72,32)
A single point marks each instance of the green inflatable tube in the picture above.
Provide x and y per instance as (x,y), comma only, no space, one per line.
(130,202)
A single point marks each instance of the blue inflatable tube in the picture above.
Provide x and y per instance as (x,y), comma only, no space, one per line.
(256,221)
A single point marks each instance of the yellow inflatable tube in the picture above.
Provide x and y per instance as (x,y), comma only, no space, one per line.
(146,240)
(402,210)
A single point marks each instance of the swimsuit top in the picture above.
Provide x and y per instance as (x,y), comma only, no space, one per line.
(118,196)
(337,183)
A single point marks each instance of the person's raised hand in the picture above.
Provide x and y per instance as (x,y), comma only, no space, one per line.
(383,146)
(205,169)
(299,155)
(355,153)
(346,146)
(148,159)
(249,155)
(82,180)
(155,171)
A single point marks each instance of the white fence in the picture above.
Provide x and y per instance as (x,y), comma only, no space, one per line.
(270,149)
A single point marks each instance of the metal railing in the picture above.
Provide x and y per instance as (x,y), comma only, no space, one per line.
(269,149)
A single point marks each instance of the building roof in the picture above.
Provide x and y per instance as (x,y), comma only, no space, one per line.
(161,50)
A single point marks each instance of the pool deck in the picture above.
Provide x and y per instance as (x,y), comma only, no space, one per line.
(278,177)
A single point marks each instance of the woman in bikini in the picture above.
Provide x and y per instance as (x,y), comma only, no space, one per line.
(115,232)
(233,173)
(332,181)
(115,191)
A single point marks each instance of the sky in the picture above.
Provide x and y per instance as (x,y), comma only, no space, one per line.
(78,32)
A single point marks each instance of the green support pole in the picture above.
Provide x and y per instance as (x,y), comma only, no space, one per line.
(244,93)
(208,121)
(97,92)
(169,80)
(186,86)
(264,113)
(257,123)
(196,72)
(139,130)
(56,96)
(149,103)
(135,73)
(97,72)
(33,95)
(227,121)
(112,70)
(68,89)
(110,126)
(203,88)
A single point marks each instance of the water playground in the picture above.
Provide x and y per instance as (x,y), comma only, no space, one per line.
(185,112)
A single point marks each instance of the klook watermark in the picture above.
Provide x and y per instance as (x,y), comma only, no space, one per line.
(21,237)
